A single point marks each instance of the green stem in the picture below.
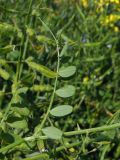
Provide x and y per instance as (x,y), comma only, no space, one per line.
(92,130)
(22,56)
(49,107)
(41,156)
(10,146)
(67,134)
(55,84)
(29,12)
(58,149)
(19,66)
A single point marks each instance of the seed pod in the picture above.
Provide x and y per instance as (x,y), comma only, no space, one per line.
(41,88)
(42,69)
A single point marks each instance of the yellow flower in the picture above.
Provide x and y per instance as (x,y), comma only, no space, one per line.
(115,1)
(102,3)
(111,19)
(85,3)
(85,79)
(116,29)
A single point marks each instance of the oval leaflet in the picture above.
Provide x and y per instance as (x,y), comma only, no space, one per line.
(66,91)
(61,110)
(52,132)
(67,72)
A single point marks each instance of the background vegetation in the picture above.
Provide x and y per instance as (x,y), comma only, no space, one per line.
(65,54)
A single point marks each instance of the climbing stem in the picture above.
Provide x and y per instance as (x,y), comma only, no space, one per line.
(55,84)
(67,134)
(92,130)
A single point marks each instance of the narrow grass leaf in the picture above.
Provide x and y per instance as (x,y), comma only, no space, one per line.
(61,110)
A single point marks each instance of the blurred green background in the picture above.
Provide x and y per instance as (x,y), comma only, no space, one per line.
(88,34)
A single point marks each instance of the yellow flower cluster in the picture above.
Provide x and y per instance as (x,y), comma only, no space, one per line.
(115,1)
(102,3)
(84,3)
(108,20)
(109,1)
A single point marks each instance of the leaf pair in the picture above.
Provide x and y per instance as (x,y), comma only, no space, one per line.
(60,111)
(64,92)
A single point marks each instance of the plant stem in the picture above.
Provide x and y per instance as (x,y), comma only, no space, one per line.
(55,84)
(10,146)
(41,156)
(58,149)
(28,22)
(67,134)
(23,56)
(19,66)
(92,130)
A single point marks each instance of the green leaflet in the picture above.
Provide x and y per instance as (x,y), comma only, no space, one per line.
(13,55)
(61,110)
(42,69)
(52,132)
(22,90)
(21,111)
(66,91)
(5,75)
(20,124)
(67,71)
